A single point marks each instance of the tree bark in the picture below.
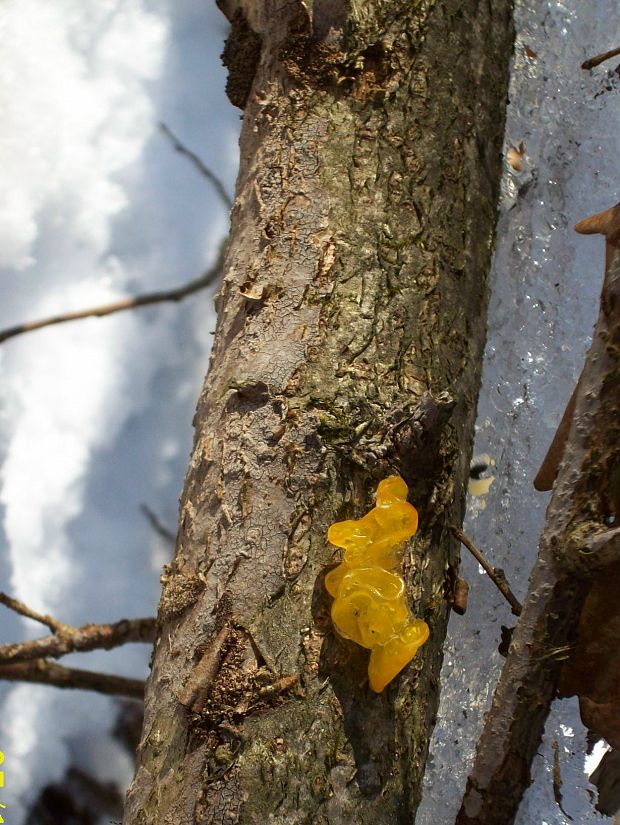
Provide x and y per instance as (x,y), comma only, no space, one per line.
(351,325)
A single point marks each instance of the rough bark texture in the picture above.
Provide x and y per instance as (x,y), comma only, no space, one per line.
(578,551)
(348,346)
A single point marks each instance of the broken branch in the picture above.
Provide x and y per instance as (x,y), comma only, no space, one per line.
(583,499)
(496,574)
(599,58)
(605,223)
(551,463)
(198,687)
(461,595)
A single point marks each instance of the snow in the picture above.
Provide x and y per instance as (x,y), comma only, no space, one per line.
(95,416)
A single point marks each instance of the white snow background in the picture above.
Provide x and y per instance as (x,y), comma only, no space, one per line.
(95,416)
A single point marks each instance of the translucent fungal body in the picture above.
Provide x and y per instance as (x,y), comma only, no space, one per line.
(370,600)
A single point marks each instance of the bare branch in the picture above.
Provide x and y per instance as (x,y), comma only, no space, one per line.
(43,672)
(76,639)
(177,294)
(19,607)
(158,526)
(599,58)
(199,164)
(497,576)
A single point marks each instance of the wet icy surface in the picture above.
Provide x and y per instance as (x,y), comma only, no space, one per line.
(545,287)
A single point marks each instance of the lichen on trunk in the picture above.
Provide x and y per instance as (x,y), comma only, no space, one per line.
(348,347)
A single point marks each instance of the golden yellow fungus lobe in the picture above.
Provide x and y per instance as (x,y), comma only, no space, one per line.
(370,601)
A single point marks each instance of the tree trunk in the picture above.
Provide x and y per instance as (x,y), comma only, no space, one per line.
(348,347)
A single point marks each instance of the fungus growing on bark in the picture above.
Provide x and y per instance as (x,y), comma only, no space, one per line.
(370,600)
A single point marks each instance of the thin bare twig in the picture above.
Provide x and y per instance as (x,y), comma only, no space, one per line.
(43,672)
(199,164)
(599,58)
(497,576)
(157,524)
(19,607)
(76,639)
(177,294)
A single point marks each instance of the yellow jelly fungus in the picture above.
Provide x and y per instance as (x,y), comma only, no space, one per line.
(370,600)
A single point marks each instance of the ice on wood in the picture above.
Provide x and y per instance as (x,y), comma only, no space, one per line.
(545,284)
